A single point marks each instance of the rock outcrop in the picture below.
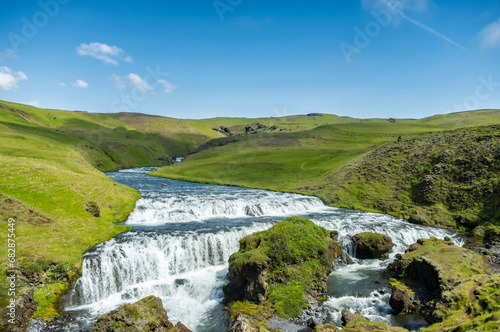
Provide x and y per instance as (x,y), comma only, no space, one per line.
(443,281)
(372,245)
(242,324)
(147,314)
(402,299)
(286,266)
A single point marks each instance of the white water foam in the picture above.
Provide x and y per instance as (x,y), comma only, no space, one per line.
(186,270)
(187,207)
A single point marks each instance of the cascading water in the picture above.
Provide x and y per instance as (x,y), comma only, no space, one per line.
(183,234)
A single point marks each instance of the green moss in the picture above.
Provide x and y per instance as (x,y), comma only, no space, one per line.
(288,300)
(48,298)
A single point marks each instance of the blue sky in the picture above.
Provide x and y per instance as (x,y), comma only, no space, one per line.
(252,58)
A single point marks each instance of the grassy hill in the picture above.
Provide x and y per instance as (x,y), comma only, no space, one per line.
(337,162)
(52,185)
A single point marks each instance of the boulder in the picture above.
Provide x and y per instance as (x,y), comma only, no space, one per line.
(402,300)
(348,316)
(147,314)
(416,219)
(372,245)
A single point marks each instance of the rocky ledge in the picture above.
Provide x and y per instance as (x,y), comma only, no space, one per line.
(281,271)
(452,287)
(147,314)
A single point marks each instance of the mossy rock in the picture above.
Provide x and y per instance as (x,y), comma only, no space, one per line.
(362,325)
(372,245)
(285,266)
(447,284)
(147,314)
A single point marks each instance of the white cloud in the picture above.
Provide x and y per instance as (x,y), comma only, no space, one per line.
(118,81)
(62,84)
(105,53)
(167,87)
(138,82)
(9,79)
(35,103)
(8,54)
(490,35)
(81,84)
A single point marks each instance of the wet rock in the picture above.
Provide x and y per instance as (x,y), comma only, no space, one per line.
(348,316)
(415,219)
(180,282)
(372,245)
(402,300)
(313,321)
(249,282)
(147,314)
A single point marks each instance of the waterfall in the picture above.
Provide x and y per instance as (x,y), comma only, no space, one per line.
(120,265)
(181,207)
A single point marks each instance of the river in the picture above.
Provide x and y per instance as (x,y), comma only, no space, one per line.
(183,234)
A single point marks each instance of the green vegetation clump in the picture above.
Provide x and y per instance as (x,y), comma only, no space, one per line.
(362,325)
(287,264)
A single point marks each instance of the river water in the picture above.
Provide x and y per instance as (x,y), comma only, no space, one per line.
(183,234)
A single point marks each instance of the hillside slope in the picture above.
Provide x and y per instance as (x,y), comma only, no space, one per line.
(53,188)
(347,165)
(450,178)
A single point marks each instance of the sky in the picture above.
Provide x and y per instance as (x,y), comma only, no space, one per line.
(252,58)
